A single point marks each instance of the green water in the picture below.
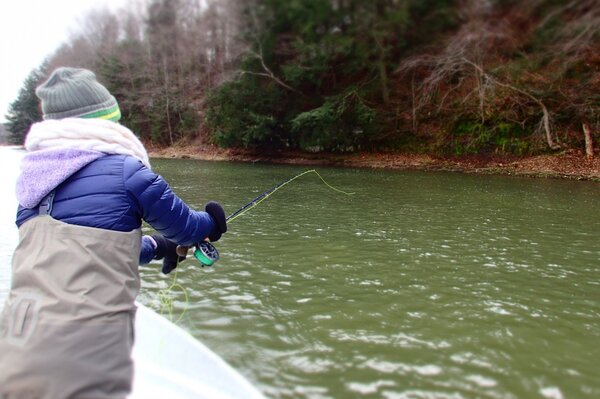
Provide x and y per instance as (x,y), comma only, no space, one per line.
(421,285)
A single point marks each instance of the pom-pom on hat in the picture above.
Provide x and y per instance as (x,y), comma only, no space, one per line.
(75,93)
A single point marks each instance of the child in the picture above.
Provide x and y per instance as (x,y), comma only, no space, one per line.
(85,186)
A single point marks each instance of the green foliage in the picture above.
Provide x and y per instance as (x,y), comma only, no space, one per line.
(472,137)
(242,116)
(25,110)
(428,20)
(342,123)
(321,53)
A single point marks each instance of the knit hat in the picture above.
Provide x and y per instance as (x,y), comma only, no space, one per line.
(75,93)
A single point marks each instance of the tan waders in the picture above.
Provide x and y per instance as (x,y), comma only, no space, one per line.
(67,326)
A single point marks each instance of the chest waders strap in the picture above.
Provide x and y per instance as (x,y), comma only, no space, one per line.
(46,205)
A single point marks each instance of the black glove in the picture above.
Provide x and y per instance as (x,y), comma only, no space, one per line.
(166,249)
(216,212)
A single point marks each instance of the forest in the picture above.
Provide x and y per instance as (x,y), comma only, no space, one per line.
(449,77)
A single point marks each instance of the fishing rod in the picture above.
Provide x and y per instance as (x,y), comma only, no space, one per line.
(207,254)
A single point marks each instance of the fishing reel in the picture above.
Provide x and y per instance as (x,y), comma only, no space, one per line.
(206,253)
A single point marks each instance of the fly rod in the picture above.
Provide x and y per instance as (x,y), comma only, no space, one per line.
(207,254)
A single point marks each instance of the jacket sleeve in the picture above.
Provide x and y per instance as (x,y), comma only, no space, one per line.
(161,208)
(147,250)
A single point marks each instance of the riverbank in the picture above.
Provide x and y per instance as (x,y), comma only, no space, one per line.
(571,164)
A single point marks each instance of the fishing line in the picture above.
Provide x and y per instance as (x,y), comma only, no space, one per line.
(269,192)
(207,254)
(166,299)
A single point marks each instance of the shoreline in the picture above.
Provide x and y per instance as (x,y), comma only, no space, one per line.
(570,164)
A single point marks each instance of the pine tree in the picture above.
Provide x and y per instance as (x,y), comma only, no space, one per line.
(24,111)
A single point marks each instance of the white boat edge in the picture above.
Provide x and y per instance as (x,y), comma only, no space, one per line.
(170,363)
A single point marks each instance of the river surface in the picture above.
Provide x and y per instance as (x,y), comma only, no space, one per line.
(420,285)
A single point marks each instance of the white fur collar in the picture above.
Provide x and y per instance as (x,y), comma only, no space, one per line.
(86,134)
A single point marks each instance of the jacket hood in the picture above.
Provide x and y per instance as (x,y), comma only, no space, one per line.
(42,171)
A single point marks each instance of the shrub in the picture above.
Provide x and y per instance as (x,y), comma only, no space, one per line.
(342,123)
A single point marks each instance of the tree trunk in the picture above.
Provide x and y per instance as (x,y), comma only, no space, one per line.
(546,123)
(414,103)
(383,76)
(589,145)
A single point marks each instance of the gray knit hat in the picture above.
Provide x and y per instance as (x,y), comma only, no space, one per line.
(75,93)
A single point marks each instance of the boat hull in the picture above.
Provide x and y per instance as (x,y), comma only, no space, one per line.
(170,363)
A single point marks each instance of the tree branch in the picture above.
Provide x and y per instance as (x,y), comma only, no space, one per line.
(545,114)
(268,73)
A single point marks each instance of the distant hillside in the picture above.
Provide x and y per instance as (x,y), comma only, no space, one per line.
(440,77)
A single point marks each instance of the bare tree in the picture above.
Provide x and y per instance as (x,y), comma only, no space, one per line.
(579,27)
(477,42)
(545,121)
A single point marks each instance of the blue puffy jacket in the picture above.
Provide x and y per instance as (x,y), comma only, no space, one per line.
(116,192)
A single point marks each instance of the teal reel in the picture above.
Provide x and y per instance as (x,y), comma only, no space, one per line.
(206,253)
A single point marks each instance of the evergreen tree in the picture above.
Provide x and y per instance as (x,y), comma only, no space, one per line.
(317,75)
(25,110)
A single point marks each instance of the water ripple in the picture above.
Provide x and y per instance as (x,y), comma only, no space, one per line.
(419,286)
